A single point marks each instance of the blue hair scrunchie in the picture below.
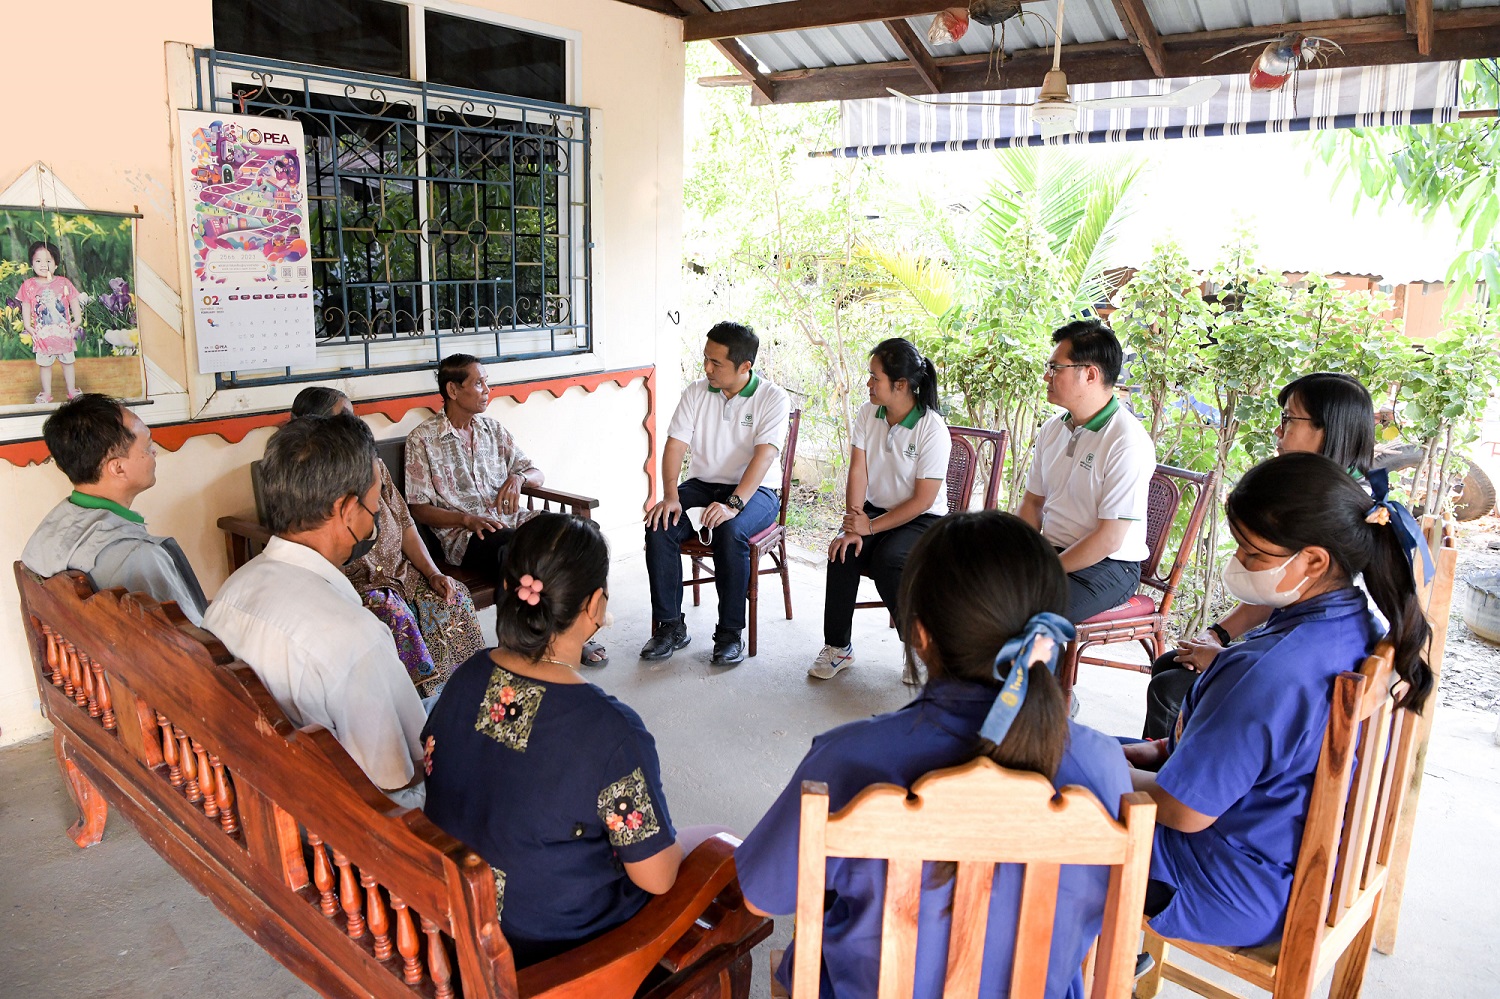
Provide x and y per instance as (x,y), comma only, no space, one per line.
(1015,659)
(1408,531)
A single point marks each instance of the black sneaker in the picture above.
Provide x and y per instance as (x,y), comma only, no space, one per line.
(666,639)
(728,649)
(1143,964)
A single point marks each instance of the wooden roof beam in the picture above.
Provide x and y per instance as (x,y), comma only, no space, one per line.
(917,52)
(1419,24)
(737,54)
(1140,30)
(800,15)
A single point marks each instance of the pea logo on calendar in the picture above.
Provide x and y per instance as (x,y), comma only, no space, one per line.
(247,228)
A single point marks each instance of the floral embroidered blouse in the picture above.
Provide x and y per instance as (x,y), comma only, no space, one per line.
(455,471)
(387,567)
(557,786)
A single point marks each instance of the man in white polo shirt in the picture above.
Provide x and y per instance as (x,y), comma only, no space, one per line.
(735,422)
(1088,484)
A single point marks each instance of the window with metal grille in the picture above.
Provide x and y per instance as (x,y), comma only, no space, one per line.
(443,220)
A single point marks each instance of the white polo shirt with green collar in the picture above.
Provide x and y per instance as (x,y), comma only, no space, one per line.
(724,431)
(897,455)
(1098,471)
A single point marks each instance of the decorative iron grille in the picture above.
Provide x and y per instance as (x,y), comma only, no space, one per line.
(442,220)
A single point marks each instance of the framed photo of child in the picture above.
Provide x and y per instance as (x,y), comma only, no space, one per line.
(68,315)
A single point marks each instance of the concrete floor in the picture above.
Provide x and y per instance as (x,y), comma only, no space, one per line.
(116,921)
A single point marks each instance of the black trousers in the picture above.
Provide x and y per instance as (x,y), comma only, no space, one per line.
(1098,587)
(882,557)
(1169,686)
(487,554)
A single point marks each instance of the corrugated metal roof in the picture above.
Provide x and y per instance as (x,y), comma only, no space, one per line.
(1085,21)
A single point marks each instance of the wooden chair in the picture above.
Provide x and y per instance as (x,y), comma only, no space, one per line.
(1143,618)
(967,457)
(1342,867)
(244,536)
(978,815)
(771,541)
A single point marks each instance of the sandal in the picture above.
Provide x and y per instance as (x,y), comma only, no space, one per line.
(43,399)
(594,654)
(74,394)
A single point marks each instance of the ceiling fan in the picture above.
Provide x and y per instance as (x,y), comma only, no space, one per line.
(1057,114)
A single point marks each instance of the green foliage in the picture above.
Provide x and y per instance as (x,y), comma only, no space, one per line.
(1453,167)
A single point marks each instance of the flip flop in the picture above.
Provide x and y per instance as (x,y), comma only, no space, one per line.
(592,649)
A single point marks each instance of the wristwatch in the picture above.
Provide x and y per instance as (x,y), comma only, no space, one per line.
(734,502)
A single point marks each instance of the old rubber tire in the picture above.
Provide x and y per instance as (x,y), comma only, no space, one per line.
(1477,497)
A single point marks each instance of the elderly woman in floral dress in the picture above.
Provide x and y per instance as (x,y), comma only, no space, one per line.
(431,616)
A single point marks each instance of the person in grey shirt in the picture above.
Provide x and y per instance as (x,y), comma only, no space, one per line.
(105,450)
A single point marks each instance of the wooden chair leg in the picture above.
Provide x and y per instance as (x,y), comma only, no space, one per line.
(739,974)
(1149,987)
(786,581)
(697,587)
(92,808)
(1067,668)
(754,599)
(1349,973)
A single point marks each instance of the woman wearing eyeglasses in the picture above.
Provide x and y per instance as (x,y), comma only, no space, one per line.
(1322,413)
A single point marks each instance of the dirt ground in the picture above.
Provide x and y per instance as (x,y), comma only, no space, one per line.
(1471,666)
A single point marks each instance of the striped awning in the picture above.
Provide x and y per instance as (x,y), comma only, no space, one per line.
(1406,94)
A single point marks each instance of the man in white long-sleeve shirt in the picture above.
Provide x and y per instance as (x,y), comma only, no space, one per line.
(295,619)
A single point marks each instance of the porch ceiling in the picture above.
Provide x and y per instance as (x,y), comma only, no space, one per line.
(795,51)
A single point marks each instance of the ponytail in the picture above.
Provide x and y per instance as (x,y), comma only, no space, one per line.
(900,359)
(553,564)
(1392,585)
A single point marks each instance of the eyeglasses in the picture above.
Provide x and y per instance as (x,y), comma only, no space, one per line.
(1288,418)
(1053,367)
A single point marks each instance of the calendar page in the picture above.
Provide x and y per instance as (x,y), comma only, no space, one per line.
(247,226)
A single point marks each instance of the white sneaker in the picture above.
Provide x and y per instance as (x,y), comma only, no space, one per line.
(831,661)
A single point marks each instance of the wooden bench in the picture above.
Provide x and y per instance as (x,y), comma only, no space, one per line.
(285,834)
(245,536)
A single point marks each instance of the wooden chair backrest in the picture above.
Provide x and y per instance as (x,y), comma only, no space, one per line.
(1351,816)
(1162,504)
(977,815)
(788,457)
(965,461)
(171,709)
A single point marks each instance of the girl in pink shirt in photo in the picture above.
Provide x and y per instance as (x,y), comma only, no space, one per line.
(51,311)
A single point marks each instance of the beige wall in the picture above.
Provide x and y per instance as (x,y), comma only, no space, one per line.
(95,109)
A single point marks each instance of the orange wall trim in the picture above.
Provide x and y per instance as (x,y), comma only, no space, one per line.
(234,428)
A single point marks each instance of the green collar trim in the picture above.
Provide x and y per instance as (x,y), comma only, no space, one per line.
(911,420)
(1099,419)
(89,502)
(750,386)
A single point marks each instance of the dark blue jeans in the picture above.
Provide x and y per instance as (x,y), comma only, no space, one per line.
(731,546)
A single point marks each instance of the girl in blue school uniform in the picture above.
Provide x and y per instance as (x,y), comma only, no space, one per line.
(978,592)
(552,781)
(1235,777)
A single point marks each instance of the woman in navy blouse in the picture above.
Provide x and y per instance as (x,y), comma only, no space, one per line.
(980,602)
(554,782)
(1235,776)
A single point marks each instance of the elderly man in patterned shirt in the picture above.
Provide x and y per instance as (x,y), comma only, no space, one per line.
(464,474)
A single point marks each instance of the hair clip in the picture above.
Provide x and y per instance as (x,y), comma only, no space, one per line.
(529,589)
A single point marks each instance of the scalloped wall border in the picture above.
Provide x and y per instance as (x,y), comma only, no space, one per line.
(234,428)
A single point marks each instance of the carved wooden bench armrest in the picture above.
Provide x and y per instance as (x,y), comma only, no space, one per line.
(579,506)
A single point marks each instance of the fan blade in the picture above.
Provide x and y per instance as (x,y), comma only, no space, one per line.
(934,103)
(1190,96)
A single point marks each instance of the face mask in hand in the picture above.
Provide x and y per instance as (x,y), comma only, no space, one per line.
(363,548)
(1259,588)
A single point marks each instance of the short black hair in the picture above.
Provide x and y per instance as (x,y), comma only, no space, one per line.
(310,464)
(86,432)
(51,248)
(317,400)
(1341,407)
(454,370)
(741,340)
(570,556)
(1092,342)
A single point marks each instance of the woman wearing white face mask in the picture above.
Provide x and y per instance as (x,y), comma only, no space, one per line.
(1236,774)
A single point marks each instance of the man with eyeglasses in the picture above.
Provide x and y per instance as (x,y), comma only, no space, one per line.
(295,619)
(105,450)
(1091,472)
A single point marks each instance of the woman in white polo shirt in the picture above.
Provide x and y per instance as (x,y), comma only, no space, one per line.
(897,466)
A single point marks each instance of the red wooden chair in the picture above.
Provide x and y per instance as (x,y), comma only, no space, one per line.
(771,541)
(971,447)
(1143,618)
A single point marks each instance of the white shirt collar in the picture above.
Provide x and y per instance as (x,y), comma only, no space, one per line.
(279,549)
